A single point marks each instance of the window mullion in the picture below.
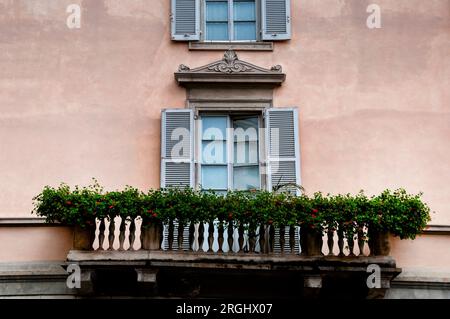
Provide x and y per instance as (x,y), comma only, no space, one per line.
(230,155)
(230,20)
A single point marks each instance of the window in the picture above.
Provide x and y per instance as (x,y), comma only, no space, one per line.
(229,152)
(232,20)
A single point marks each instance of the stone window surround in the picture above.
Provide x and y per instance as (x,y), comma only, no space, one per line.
(229,84)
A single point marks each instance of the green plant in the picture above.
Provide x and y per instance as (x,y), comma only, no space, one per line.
(401,214)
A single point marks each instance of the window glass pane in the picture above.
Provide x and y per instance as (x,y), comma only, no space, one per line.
(246,153)
(245,31)
(214,152)
(249,125)
(214,127)
(216,11)
(217,31)
(214,177)
(244,11)
(245,178)
(245,140)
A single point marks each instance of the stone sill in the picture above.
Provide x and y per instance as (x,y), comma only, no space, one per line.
(237,46)
(25,222)
(229,261)
(437,230)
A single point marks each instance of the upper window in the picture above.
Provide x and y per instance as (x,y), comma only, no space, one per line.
(230,20)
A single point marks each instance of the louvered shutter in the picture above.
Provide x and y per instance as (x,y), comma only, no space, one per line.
(185,20)
(283,150)
(276,20)
(177,165)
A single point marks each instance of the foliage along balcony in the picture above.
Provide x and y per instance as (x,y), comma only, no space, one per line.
(164,236)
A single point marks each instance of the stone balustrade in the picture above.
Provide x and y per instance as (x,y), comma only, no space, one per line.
(227,238)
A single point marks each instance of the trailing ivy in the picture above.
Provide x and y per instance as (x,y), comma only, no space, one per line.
(402,214)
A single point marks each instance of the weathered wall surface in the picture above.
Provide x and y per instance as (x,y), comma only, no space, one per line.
(75,104)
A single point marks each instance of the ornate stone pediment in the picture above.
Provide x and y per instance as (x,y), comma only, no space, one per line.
(230,70)
(230,64)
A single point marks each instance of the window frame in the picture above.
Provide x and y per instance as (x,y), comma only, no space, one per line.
(258,23)
(198,139)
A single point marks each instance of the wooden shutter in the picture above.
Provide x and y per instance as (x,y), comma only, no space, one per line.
(283,150)
(276,20)
(177,139)
(185,20)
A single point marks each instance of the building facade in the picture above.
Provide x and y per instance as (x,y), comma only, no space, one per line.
(358,90)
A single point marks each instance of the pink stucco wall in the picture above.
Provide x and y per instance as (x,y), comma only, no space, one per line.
(74,104)
(26,244)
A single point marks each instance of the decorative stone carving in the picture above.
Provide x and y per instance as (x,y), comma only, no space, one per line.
(230,64)
(276,68)
(183,68)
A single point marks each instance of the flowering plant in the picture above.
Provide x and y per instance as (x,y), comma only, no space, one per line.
(401,214)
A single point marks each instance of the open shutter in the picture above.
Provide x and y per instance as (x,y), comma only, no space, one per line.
(185,20)
(276,20)
(283,150)
(177,162)
(177,165)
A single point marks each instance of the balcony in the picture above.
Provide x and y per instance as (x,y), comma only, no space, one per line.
(195,260)
(185,243)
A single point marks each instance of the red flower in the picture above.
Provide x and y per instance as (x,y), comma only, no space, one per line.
(270,221)
(154,215)
(313,215)
(315,211)
(111,207)
(69,202)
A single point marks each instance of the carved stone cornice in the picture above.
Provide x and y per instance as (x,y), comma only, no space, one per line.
(230,70)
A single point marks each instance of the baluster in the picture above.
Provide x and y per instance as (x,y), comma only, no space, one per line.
(340,233)
(361,241)
(220,237)
(251,239)
(330,241)
(241,238)
(122,233)
(282,238)
(230,232)
(201,236)
(351,244)
(170,236)
(111,235)
(191,236)
(180,235)
(210,236)
(101,234)
(292,239)
(161,234)
(132,235)
(141,237)
(271,238)
(303,241)
(262,239)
